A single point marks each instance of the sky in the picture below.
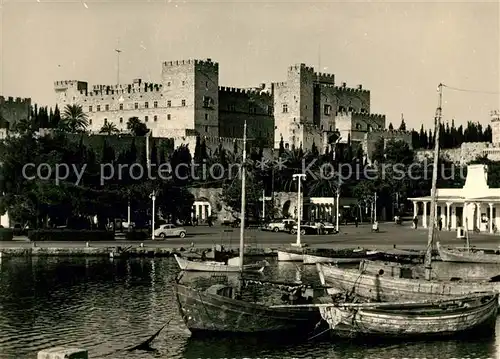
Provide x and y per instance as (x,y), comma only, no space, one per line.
(400,51)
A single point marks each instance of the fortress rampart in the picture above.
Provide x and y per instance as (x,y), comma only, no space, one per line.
(13,109)
(343,89)
(324,78)
(254,92)
(207,62)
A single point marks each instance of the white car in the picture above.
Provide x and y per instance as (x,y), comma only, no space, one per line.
(280,226)
(170,230)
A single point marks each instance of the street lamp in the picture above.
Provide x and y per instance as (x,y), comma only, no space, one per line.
(153,198)
(299,177)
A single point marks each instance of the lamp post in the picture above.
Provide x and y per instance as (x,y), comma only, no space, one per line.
(299,177)
(153,198)
(128,211)
(337,210)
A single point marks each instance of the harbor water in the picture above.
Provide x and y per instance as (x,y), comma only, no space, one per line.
(107,305)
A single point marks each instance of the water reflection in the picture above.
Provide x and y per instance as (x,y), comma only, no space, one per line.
(107,306)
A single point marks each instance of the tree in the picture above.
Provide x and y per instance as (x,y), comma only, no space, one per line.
(398,152)
(314,150)
(378,154)
(109,128)
(281,148)
(56,119)
(74,119)
(402,126)
(197,150)
(231,195)
(136,127)
(391,127)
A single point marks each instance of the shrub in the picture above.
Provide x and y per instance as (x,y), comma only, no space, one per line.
(70,235)
(6,234)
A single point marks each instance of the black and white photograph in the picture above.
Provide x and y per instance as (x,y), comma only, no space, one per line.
(206,179)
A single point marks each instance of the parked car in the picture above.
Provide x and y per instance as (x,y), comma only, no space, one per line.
(329,228)
(305,228)
(283,225)
(170,230)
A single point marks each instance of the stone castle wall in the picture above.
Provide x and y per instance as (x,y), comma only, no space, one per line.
(466,153)
(14,110)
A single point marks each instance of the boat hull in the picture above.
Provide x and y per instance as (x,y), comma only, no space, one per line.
(389,289)
(476,314)
(207,313)
(310,259)
(451,255)
(285,256)
(210,266)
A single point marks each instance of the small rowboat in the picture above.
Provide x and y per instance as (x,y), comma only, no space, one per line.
(468,255)
(211,266)
(440,318)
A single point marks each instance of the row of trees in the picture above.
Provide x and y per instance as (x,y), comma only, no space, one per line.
(450,136)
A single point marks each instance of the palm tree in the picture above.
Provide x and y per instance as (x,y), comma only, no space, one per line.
(136,127)
(109,128)
(74,119)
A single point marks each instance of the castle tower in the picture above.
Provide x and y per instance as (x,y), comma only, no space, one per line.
(495,128)
(69,92)
(191,93)
(294,105)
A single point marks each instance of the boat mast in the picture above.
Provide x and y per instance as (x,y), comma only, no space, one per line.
(430,238)
(243,196)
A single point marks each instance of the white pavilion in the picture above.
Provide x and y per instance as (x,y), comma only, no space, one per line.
(473,207)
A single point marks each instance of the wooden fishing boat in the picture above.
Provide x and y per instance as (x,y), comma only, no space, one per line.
(217,311)
(470,314)
(340,256)
(290,256)
(389,289)
(468,254)
(212,266)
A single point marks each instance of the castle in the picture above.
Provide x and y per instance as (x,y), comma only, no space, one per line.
(301,112)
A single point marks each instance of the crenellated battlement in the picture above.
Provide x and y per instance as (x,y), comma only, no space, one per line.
(67,84)
(11,101)
(301,67)
(349,90)
(254,92)
(207,62)
(390,132)
(279,84)
(138,87)
(325,78)
(369,116)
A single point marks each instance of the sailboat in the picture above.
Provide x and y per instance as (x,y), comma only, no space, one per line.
(381,288)
(220,309)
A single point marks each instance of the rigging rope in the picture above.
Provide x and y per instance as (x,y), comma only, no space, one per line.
(473,91)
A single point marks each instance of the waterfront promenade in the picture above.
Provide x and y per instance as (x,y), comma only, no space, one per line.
(390,235)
